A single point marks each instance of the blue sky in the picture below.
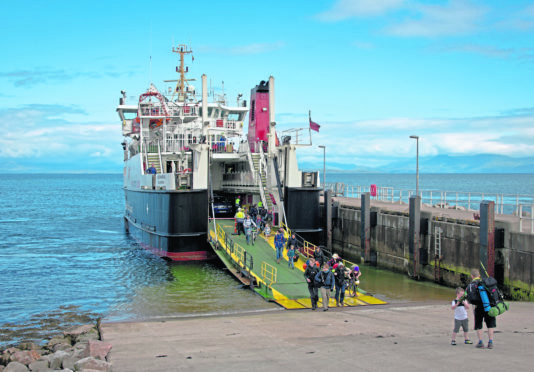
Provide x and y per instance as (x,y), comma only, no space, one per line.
(460,74)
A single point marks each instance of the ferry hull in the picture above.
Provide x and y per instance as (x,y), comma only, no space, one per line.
(171,224)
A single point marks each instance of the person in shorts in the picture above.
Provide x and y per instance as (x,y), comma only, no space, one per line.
(481,315)
(460,307)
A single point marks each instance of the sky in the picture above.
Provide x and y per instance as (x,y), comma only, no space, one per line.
(458,74)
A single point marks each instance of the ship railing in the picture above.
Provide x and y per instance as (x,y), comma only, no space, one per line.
(237,253)
(222,146)
(518,205)
(296,136)
(243,179)
(226,124)
(307,248)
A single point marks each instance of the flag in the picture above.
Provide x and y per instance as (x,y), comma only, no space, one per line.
(314,126)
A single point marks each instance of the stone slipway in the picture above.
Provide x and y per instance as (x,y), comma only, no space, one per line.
(412,337)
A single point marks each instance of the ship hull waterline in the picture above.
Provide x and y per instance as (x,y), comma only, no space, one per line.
(170,224)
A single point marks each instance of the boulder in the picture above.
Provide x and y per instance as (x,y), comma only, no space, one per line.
(58,343)
(90,363)
(40,365)
(28,345)
(25,356)
(97,349)
(15,367)
(82,333)
(56,359)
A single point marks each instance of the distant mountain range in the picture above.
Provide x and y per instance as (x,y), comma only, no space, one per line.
(482,163)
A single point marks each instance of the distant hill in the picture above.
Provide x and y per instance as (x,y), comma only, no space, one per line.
(481,163)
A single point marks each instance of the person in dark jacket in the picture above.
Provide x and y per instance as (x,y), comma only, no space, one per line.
(292,240)
(325,280)
(341,283)
(311,271)
(319,256)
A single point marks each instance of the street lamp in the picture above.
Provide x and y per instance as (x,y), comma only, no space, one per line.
(417,167)
(324,166)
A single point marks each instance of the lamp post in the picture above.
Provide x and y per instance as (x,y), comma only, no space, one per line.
(417,166)
(324,166)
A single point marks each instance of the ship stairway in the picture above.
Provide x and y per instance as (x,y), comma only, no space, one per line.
(255,265)
(153,158)
(260,172)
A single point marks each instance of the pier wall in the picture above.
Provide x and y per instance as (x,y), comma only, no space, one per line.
(448,247)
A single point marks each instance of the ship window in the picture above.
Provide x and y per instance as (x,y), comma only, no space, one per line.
(210,111)
(233,116)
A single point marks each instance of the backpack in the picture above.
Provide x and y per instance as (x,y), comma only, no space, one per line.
(486,293)
(473,295)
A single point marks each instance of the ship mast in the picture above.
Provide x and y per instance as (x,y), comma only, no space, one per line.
(182,49)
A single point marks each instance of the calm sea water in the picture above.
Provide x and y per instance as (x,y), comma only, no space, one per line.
(65,258)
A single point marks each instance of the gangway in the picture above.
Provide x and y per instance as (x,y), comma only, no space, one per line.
(255,265)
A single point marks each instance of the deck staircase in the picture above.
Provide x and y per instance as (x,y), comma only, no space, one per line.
(261,171)
(153,158)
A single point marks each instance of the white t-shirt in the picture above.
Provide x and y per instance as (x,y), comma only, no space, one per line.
(459,312)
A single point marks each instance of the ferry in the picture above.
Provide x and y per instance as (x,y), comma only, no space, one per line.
(185,151)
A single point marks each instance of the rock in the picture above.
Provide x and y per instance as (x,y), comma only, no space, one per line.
(97,349)
(82,333)
(59,343)
(69,361)
(90,363)
(25,357)
(28,345)
(39,366)
(15,367)
(56,359)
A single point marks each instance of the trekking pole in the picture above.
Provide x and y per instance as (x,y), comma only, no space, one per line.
(485,271)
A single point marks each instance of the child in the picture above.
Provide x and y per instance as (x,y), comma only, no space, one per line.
(290,256)
(460,306)
(267,230)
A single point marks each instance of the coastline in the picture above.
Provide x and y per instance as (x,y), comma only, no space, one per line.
(413,336)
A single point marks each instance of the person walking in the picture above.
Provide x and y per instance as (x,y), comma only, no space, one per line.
(291,257)
(309,273)
(325,281)
(239,218)
(247,226)
(341,282)
(319,256)
(279,241)
(292,241)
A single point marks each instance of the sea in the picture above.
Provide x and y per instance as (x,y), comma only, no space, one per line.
(65,258)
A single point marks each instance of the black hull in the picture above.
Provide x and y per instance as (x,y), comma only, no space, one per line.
(171,224)
(302,209)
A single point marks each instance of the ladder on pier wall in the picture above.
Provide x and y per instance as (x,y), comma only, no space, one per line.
(437,253)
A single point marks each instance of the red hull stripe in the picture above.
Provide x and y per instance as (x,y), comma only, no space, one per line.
(180,256)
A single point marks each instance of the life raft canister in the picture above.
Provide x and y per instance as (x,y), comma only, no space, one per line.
(373,190)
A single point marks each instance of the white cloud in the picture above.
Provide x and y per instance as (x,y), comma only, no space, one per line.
(455,18)
(344,9)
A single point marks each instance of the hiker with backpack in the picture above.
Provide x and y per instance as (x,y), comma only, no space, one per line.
(477,296)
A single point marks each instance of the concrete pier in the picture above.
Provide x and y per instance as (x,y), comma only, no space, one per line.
(413,337)
(436,244)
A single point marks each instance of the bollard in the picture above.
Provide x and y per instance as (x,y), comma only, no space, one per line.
(487,237)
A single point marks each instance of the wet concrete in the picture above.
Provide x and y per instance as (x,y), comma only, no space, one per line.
(395,337)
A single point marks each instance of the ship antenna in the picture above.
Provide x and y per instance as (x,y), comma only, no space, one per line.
(182,50)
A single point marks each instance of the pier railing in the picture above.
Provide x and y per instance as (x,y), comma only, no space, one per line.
(510,204)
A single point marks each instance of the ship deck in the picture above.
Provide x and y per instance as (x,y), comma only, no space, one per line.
(256,265)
